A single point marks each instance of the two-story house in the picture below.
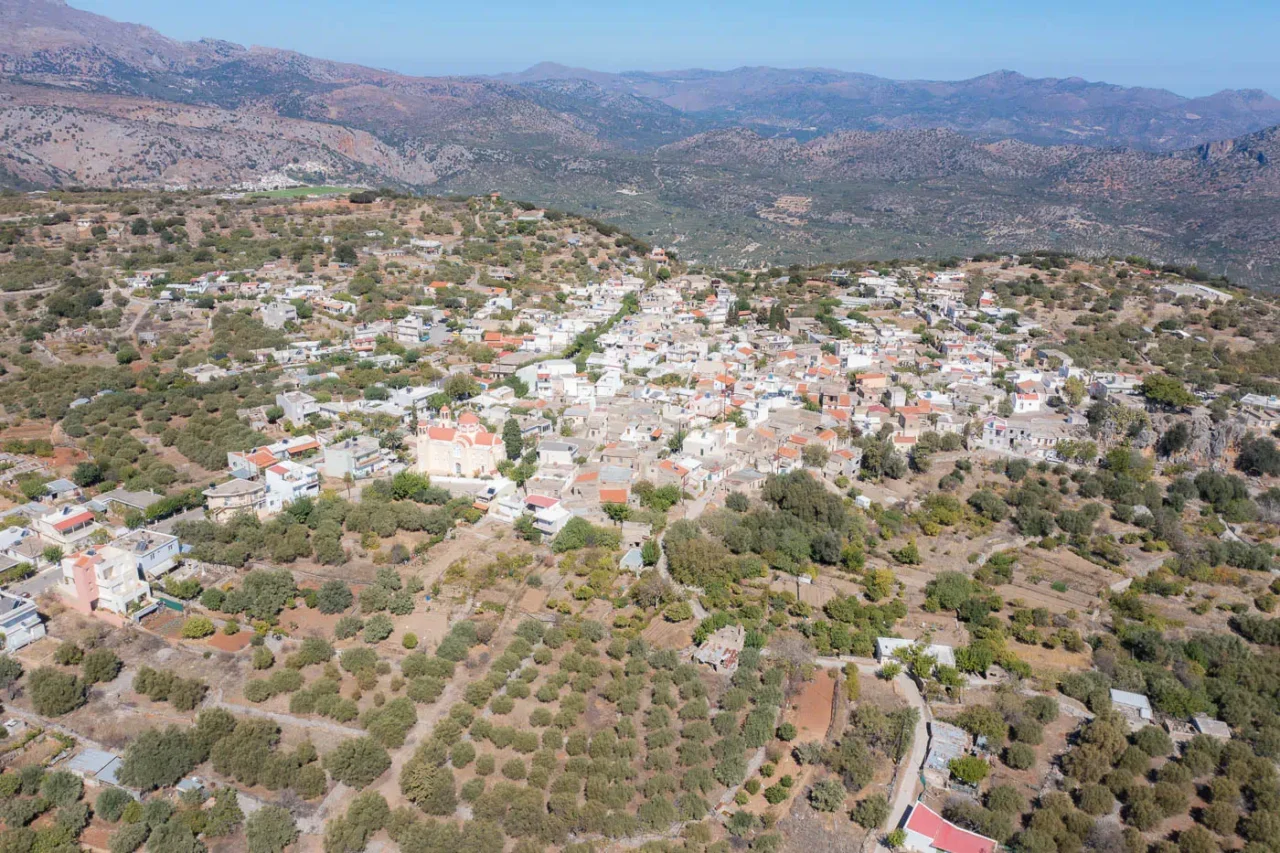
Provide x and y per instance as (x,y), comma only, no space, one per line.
(248,464)
(68,526)
(288,481)
(557,453)
(277,314)
(360,456)
(226,499)
(297,405)
(412,330)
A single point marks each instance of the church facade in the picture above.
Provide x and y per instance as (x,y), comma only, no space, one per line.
(461,449)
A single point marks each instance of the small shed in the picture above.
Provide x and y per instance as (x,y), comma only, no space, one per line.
(1135,707)
(632,561)
(1207,725)
(95,764)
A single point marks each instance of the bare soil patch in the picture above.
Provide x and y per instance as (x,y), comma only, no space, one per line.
(233,643)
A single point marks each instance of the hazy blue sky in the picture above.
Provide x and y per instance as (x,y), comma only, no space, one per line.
(1191,46)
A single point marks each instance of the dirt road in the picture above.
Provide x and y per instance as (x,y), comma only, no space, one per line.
(285,719)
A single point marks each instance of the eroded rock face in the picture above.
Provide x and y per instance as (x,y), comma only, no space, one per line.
(1209,442)
(1118,423)
(1145,437)
(1223,437)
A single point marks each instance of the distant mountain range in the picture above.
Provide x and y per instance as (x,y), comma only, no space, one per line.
(749,165)
(1001,105)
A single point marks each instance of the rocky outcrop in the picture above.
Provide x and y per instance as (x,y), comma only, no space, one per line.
(1209,443)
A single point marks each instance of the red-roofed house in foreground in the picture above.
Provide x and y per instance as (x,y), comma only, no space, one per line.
(928,832)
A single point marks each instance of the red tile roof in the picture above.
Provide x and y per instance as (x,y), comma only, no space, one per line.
(72,520)
(260,457)
(668,465)
(944,835)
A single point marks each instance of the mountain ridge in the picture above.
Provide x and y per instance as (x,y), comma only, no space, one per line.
(87,100)
(50,42)
(831,100)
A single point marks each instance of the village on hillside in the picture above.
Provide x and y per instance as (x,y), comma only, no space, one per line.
(355,520)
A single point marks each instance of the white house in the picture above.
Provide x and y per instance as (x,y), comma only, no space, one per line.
(67,526)
(287,482)
(1024,404)
(104,582)
(887,648)
(427,248)
(297,406)
(205,373)
(153,553)
(493,492)
(412,330)
(1195,291)
(20,624)
(277,314)
(360,456)
(549,514)
(22,545)
(560,453)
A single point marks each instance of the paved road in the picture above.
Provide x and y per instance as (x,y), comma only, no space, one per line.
(909,771)
(39,584)
(166,526)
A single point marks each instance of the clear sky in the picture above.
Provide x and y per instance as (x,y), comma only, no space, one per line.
(1193,47)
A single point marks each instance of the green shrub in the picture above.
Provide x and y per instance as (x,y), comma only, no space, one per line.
(197,627)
